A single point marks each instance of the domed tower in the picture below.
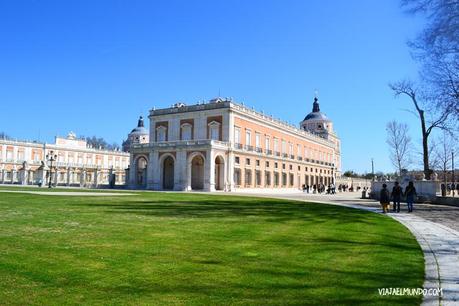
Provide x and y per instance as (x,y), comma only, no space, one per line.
(137,136)
(317,122)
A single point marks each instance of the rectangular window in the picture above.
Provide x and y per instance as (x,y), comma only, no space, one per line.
(257,163)
(267,179)
(248,136)
(237,135)
(267,143)
(284,179)
(258,178)
(276,145)
(247,161)
(236,160)
(237,176)
(267,164)
(276,179)
(276,165)
(257,140)
(186,131)
(292,177)
(21,155)
(283,166)
(214,132)
(248,178)
(284,147)
(161,133)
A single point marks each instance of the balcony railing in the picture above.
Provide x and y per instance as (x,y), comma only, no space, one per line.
(284,155)
(238,146)
(277,153)
(300,158)
(248,148)
(269,152)
(258,150)
(292,156)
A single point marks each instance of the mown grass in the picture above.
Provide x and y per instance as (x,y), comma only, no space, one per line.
(178,248)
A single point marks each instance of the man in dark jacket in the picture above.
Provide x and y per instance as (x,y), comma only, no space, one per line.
(396,196)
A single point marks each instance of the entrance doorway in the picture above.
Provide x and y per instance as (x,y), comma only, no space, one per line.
(219,173)
(197,173)
(168,173)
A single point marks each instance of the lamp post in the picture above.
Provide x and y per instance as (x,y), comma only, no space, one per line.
(372,170)
(51,157)
(452,173)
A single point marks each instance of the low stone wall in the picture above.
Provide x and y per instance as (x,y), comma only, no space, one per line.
(351,181)
(447,201)
(426,190)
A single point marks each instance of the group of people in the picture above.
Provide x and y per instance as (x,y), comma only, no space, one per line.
(396,196)
(344,188)
(449,188)
(319,188)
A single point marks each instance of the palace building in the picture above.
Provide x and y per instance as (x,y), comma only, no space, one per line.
(224,145)
(76,164)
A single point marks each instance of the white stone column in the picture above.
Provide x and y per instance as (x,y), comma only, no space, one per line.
(132,174)
(127,176)
(82,177)
(188,174)
(24,176)
(151,169)
(13,174)
(55,173)
(155,170)
(200,128)
(96,177)
(180,171)
(69,177)
(174,129)
(3,156)
(210,171)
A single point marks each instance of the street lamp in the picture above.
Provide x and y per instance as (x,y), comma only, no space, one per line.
(452,173)
(51,157)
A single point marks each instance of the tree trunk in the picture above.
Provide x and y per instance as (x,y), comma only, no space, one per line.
(425,145)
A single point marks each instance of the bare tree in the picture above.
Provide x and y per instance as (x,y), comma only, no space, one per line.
(433,121)
(399,145)
(443,153)
(437,48)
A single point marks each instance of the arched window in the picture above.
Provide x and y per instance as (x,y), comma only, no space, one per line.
(214,130)
(161,133)
(186,131)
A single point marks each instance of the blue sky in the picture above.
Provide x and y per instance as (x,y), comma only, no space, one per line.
(93,66)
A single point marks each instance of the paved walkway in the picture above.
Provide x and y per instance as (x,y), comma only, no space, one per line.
(432,225)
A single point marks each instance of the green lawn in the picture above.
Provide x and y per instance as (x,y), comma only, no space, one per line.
(178,248)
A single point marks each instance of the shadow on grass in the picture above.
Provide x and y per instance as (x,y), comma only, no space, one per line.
(273,210)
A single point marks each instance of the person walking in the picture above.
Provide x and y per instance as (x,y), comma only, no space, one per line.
(396,196)
(384,198)
(410,193)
